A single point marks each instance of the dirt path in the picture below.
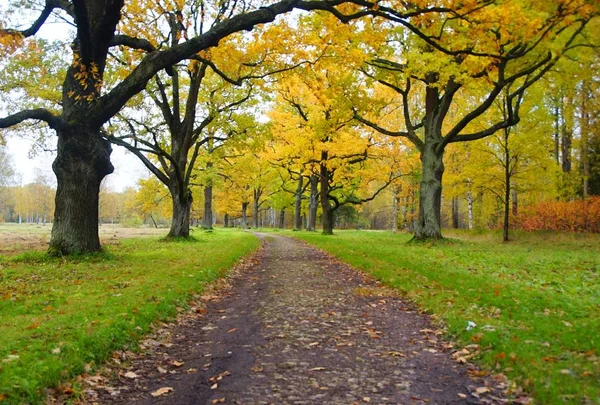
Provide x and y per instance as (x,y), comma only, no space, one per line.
(297,327)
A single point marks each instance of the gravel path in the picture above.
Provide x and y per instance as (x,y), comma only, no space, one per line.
(296,327)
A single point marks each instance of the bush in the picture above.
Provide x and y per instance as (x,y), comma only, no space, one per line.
(566,216)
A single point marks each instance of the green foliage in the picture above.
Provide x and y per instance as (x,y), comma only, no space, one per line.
(59,315)
(535,301)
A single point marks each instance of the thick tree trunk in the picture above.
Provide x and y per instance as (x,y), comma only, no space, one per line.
(245,215)
(226,221)
(298,205)
(82,161)
(430,199)
(207,220)
(313,203)
(182,206)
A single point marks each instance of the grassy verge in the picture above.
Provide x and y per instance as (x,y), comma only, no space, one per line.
(535,301)
(59,315)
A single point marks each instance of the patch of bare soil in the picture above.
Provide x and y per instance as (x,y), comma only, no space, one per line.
(297,327)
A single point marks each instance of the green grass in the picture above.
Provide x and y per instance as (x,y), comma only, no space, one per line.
(536,301)
(57,315)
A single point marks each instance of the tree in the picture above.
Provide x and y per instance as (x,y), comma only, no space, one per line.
(312,122)
(83,155)
(472,52)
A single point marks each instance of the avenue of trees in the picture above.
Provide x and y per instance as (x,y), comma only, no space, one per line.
(434,112)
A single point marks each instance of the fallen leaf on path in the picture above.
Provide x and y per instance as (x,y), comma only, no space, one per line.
(214,386)
(191,370)
(218,401)
(161,370)
(131,375)
(395,354)
(177,363)
(317,369)
(232,330)
(482,390)
(366,399)
(463,396)
(219,377)
(162,391)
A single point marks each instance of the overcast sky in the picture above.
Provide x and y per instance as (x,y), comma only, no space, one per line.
(128,168)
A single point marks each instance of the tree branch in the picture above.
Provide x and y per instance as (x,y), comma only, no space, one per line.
(40,114)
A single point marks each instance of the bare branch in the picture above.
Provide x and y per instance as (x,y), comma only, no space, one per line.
(40,114)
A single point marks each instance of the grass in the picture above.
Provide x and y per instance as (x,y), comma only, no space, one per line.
(535,301)
(59,315)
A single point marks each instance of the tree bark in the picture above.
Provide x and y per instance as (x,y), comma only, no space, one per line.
(394,210)
(470,208)
(455,212)
(245,215)
(182,206)
(256,206)
(226,221)
(298,205)
(430,199)
(327,215)
(82,161)
(207,220)
(282,218)
(313,203)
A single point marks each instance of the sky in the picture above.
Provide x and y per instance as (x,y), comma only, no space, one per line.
(128,168)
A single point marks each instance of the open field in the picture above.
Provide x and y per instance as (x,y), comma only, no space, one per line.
(59,316)
(534,302)
(17,238)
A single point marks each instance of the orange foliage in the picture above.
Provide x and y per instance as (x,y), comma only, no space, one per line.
(571,216)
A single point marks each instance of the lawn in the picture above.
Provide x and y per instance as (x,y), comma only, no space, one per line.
(535,301)
(61,316)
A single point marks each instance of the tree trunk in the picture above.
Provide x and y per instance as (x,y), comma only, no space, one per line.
(245,215)
(327,215)
(282,218)
(298,205)
(455,212)
(207,220)
(256,206)
(182,206)
(394,210)
(515,202)
(507,179)
(470,208)
(585,126)
(226,221)
(430,199)
(313,203)
(82,161)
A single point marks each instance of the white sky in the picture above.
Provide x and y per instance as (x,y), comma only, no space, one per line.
(128,168)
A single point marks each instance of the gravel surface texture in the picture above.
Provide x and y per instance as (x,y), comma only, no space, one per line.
(296,326)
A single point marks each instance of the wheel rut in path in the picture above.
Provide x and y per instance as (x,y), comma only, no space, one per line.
(299,327)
